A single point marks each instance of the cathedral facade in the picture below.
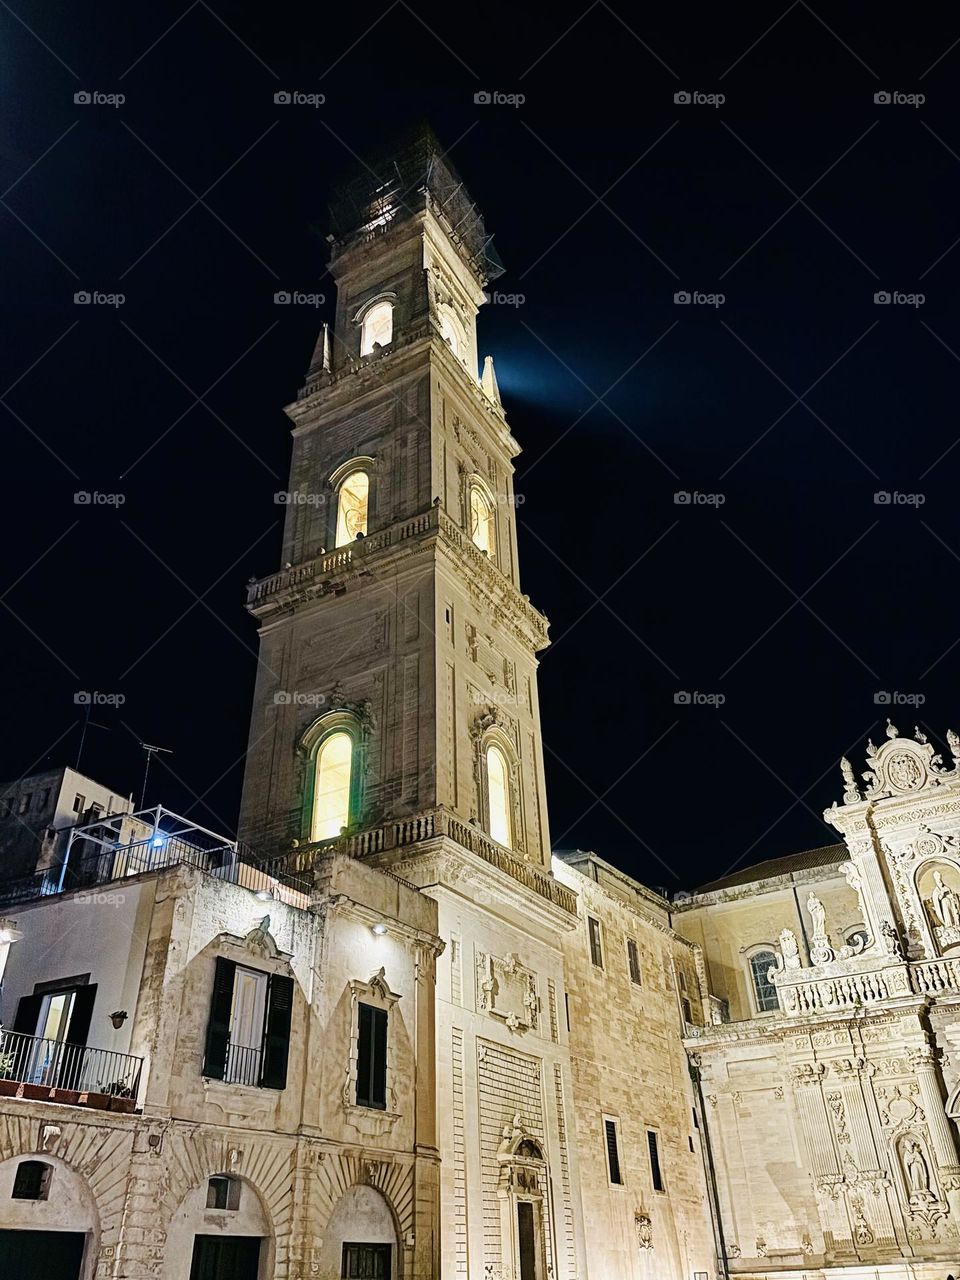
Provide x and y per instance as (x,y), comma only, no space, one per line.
(407,1040)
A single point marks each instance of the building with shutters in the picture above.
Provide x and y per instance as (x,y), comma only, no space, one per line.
(388,1034)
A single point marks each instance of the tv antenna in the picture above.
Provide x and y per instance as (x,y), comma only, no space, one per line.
(151,751)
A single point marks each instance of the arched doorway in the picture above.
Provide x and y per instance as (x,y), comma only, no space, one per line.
(520,1189)
(219,1232)
(49,1224)
(361,1238)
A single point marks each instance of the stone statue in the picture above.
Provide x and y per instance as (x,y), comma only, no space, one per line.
(915,1167)
(851,792)
(789,949)
(946,904)
(817,915)
(891,940)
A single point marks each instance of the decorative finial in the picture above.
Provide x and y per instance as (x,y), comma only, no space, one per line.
(892,730)
(920,737)
(851,792)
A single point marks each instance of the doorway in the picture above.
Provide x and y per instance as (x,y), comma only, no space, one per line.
(527,1230)
(225,1258)
(24,1255)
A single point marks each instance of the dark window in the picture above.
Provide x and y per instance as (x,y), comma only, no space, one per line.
(763,988)
(633,961)
(44,798)
(596,948)
(566,1007)
(655,1172)
(690,1141)
(78,802)
(225,1258)
(223,1193)
(696,1118)
(687,1011)
(366,1262)
(32,1180)
(613,1153)
(264,1066)
(372,1057)
(526,1230)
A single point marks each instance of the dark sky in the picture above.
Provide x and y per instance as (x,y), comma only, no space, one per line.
(797,600)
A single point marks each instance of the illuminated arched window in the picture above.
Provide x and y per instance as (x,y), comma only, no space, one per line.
(482,529)
(765,993)
(376,328)
(331,793)
(454,333)
(498,796)
(353,499)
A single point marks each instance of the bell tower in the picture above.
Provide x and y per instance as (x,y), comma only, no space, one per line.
(398,619)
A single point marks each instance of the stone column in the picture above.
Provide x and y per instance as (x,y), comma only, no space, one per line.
(426,1243)
(924,1064)
(824,1166)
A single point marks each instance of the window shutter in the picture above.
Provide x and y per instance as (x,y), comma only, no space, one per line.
(80,1016)
(379,1072)
(218,1028)
(655,1171)
(28,1015)
(276,1037)
(371,1056)
(364,1053)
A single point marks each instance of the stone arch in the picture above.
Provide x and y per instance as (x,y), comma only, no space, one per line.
(92,1152)
(363,1214)
(192,1217)
(70,1206)
(192,1157)
(393,1181)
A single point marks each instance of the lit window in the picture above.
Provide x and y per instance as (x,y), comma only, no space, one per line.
(376,329)
(763,988)
(352,503)
(331,800)
(481,520)
(454,334)
(498,786)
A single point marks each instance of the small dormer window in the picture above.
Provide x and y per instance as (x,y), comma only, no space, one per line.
(482,529)
(376,328)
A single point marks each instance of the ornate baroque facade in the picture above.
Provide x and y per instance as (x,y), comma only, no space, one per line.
(408,1041)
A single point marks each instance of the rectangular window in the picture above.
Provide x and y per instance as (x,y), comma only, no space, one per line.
(566,1007)
(372,1057)
(24,805)
(78,802)
(596,947)
(687,1011)
(613,1152)
(656,1173)
(633,961)
(366,1262)
(248,1034)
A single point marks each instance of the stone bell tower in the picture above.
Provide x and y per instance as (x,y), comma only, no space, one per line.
(396,715)
(398,612)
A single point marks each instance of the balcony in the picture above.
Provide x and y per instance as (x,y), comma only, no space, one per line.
(51,1071)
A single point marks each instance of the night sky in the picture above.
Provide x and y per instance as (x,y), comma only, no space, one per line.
(782,587)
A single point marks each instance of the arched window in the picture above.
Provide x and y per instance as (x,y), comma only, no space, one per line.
(454,333)
(764,991)
(376,327)
(482,528)
(353,500)
(331,794)
(498,796)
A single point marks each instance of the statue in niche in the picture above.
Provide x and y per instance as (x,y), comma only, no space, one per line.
(918,1174)
(946,904)
(817,915)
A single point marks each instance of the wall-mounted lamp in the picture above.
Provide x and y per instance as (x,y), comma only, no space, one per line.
(379,928)
(119,1017)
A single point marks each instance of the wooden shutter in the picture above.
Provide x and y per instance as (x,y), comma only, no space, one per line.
(372,1057)
(80,1015)
(276,1036)
(218,1028)
(28,1015)
(655,1171)
(613,1155)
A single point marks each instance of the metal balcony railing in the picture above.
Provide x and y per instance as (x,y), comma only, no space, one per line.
(51,1064)
(242,1065)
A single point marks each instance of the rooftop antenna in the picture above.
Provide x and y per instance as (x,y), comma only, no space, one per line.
(87,722)
(151,751)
